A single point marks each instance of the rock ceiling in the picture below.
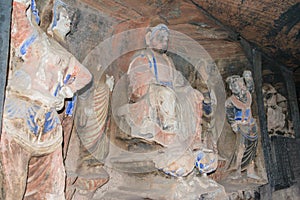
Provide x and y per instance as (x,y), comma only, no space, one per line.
(272,26)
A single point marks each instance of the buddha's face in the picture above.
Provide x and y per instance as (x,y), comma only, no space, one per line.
(160,40)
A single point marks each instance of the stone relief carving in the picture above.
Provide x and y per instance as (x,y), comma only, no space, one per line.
(276,106)
(163,108)
(90,143)
(239,116)
(58,29)
(41,75)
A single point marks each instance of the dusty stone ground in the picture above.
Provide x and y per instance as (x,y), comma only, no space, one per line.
(127,183)
(292,193)
(156,185)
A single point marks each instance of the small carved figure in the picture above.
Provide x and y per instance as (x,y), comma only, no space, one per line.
(42,74)
(239,116)
(277,111)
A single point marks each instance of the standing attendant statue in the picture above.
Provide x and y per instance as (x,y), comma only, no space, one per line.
(41,75)
(239,116)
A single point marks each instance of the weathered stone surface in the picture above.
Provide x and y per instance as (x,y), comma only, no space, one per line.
(105,18)
(273,26)
(291,193)
(274,23)
(157,186)
(5,10)
(93,21)
(41,75)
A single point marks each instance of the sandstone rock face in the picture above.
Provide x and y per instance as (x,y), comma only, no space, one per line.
(105,18)
(273,26)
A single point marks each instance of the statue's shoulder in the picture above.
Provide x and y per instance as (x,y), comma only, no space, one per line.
(142,57)
(142,54)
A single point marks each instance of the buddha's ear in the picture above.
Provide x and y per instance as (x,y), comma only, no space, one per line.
(147,38)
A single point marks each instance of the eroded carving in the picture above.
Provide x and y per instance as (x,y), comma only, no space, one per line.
(276,106)
(239,116)
(42,74)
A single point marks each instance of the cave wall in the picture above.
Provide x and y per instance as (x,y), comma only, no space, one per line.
(94,21)
(273,26)
(269,29)
(105,18)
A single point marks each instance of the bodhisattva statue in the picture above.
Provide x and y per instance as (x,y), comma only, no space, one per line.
(85,145)
(239,116)
(162,106)
(41,75)
(58,28)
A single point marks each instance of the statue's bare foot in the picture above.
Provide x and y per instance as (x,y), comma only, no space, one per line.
(253,176)
(251,172)
(237,174)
